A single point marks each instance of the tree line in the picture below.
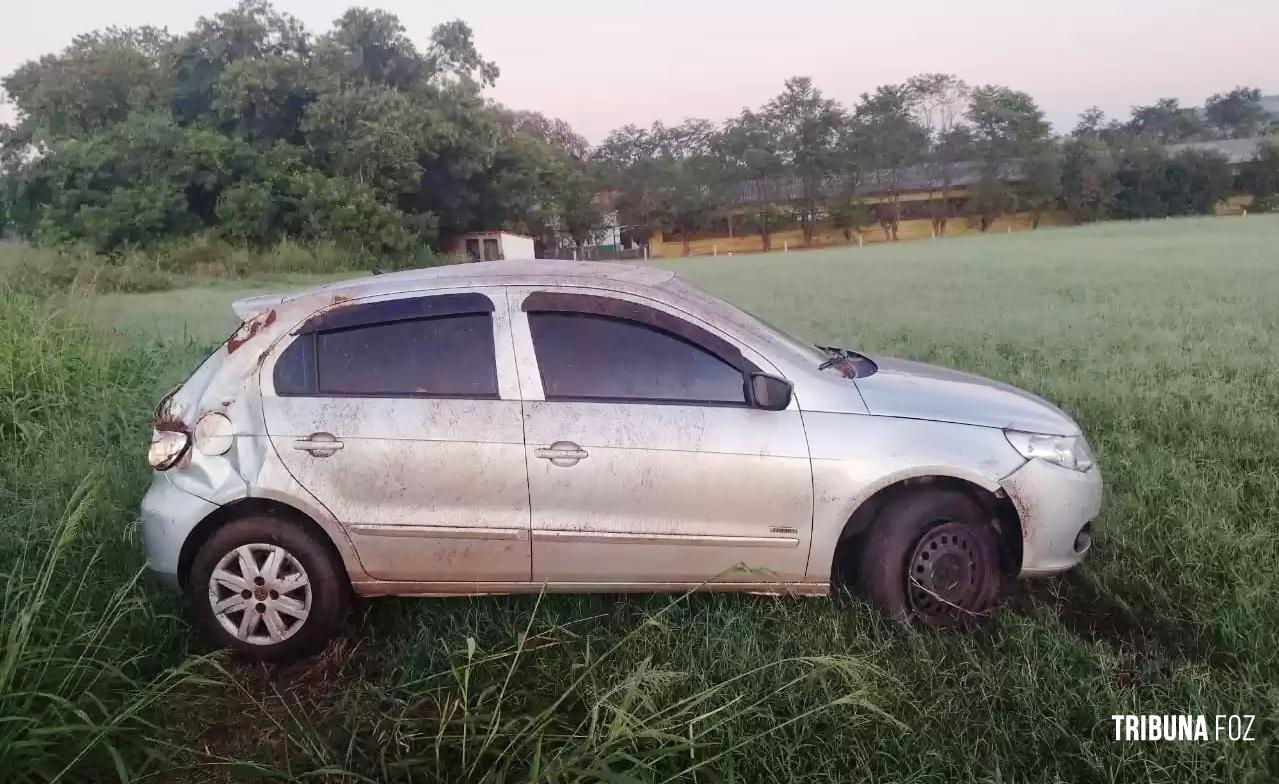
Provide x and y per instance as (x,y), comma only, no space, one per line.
(254,129)
(805,158)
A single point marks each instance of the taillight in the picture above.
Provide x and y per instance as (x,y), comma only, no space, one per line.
(167,447)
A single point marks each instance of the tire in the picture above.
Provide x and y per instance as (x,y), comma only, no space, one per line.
(932,557)
(293,598)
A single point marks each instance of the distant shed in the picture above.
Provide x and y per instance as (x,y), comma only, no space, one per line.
(495,245)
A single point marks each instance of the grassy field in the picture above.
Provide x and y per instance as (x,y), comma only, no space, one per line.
(1161,338)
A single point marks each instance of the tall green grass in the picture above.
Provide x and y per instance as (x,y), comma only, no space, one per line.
(44,270)
(1161,338)
(85,651)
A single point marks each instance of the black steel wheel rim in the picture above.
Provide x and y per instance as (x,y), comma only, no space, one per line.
(946,570)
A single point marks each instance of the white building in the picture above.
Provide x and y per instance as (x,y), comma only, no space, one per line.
(494,245)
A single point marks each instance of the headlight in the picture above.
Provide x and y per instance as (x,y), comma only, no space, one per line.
(1066,451)
(166,447)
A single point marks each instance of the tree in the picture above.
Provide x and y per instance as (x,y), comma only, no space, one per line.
(549,130)
(628,164)
(1088,178)
(578,210)
(1008,128)
(1194,182)
(663,176)
(371,45)
(1238,113)
(887,139)
(1091,123)
(10,162)
(751,160)
(1153,185)
(938,102)
(848,214)
(807,127)
(249,126)
(369,133)
(452,55)
(96,81)
(1140,180)
(263,100)
(1166,121)
(195,62)
(1043,189)
(1260,177)
(684,173)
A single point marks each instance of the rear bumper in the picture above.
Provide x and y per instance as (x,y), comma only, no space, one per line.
(168,517)
(1054,505)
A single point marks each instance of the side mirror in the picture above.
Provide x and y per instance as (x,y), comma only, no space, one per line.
(768,392)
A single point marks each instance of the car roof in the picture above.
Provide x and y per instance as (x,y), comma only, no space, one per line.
(478,273)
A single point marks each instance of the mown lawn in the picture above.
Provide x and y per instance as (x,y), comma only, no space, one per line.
(1161,338)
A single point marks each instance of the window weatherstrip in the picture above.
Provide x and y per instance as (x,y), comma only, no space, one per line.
(589,304)
(389,311)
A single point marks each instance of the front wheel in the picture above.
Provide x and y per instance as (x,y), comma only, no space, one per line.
(267,589)
(932,556)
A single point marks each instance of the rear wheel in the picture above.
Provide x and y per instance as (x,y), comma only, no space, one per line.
(932,556)
(267,589)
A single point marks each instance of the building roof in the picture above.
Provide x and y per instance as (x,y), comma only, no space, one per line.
(923,177)
(484,232)
(1233,150)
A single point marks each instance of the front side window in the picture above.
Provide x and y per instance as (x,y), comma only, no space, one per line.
(589,356)
(441,356)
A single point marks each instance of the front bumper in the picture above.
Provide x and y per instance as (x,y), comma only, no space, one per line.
(168,517)
(1054,505)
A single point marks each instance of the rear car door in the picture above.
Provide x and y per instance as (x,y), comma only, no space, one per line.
(402,417)
(646,465)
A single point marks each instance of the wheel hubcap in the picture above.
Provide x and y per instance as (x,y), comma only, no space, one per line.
(260,594)
(946,572)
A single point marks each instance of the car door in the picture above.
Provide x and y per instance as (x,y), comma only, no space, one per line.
(402,417)
(646,465)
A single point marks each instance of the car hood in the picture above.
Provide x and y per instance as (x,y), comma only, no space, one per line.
(916,390)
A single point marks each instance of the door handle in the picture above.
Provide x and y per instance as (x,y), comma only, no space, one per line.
(319,444)
(561,453)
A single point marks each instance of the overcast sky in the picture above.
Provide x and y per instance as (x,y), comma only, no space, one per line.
(603,64)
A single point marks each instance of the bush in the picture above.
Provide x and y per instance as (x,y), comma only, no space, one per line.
(45,271)
(1260,176)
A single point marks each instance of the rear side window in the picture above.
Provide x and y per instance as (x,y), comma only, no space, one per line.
(443,356)
(596,357)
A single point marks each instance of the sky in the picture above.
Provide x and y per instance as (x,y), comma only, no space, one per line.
(600,65)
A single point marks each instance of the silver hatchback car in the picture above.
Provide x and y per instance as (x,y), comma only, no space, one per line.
(506,427)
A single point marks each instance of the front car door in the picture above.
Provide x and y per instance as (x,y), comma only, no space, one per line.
(646,465)
(402,417)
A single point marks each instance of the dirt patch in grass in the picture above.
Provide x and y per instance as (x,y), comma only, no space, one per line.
(1084,609)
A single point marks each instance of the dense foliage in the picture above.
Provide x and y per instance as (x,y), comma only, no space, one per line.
(251,128)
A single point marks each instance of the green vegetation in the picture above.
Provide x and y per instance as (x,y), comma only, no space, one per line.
(1159,336)
(202,260)
(253,130)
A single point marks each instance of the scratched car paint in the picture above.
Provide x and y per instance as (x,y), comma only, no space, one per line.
(737,459)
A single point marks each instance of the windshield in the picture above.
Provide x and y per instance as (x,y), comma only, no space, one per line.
(753,323)
(796,344)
